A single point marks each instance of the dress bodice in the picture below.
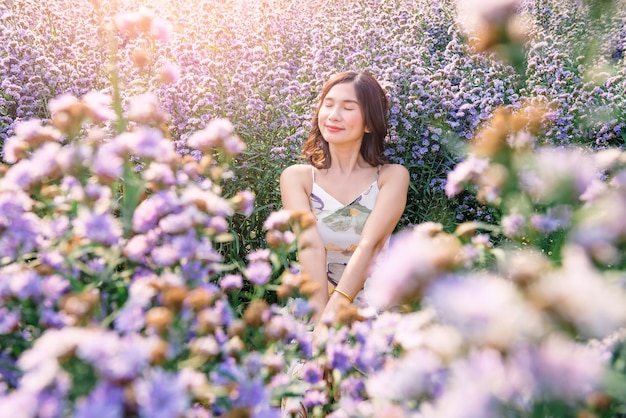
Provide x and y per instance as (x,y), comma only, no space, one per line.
(340,226)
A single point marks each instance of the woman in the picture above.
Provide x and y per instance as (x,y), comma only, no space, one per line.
(355,194)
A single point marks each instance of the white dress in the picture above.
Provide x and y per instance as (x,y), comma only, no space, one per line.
(340,227)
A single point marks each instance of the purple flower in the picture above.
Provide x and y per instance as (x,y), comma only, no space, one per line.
(353,387)
(561,368)
(513,225)
(102,228)
(149,143)
(406,267)
(231,281)
(22,236)
(165,255)
(117,358)
(51,318)
(486,309)
(54,286)
(277,220)
(108,162)
(160,29)
(19,282)
(131,318)
(245,201)
(106,400)
(311,372)
(159,173)
(98,106)
(161,395)
(206,200)
(556,171)
(477,386)
(339,356)
(9,320)
(148,212)
(170,73)
(259,255)
(20,403)
(137,247)
(182,221)
(145,109)
(251,393)
(466,171)
(406,378)
(581,295)
(259,272)
(218,224)
(314,397)
(216,132)
(62,103)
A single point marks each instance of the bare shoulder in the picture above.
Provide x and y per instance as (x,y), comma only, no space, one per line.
(297,169)
(296,176)
(296,172)
(395,173)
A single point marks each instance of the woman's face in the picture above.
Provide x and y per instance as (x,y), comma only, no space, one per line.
(340,118)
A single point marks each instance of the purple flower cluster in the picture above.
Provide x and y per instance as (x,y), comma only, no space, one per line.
(113,282)
(262,66)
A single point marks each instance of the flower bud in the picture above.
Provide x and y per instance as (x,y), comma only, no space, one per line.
(173,297)
(159,354)
(254,314)
(140,58)
(159,318)
(236,327)
(198,298)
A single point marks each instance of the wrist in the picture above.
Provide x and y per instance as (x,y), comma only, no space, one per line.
(343,295)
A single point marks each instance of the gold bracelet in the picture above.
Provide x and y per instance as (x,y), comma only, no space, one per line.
(342,293)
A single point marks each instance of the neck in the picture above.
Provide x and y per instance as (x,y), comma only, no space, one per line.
(346,161)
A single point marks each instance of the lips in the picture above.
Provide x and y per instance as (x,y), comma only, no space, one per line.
(332,129)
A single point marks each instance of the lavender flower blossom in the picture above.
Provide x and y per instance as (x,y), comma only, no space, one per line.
(102,228)
(405,378)
(148,213)
(466,171)
(259,272)
(105,400)
(161,395)
(561,368)
(98,106)
(513,225)
(219,132)
(580,295)
(558,171)
(117,358)
(406,268)
(487,310)
(231,281)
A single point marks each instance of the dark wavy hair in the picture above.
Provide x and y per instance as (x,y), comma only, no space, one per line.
(374,106)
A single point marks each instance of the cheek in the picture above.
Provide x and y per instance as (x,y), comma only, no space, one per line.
(357,120)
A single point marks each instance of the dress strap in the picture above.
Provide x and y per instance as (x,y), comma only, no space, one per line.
(313,173)
(378,172)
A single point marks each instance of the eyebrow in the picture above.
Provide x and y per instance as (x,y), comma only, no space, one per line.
(342,101)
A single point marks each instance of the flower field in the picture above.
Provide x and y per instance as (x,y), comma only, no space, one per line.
(147,270)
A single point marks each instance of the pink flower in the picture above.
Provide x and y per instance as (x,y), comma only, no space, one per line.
(98,106)
(466,171)
(170,73)
(160,29)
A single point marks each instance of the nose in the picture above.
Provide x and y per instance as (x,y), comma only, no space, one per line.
(334,114)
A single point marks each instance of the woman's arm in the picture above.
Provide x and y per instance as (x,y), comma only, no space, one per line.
(393,183)
(296,182)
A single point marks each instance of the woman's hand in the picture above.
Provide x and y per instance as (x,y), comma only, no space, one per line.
(328,318)
(336,301)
